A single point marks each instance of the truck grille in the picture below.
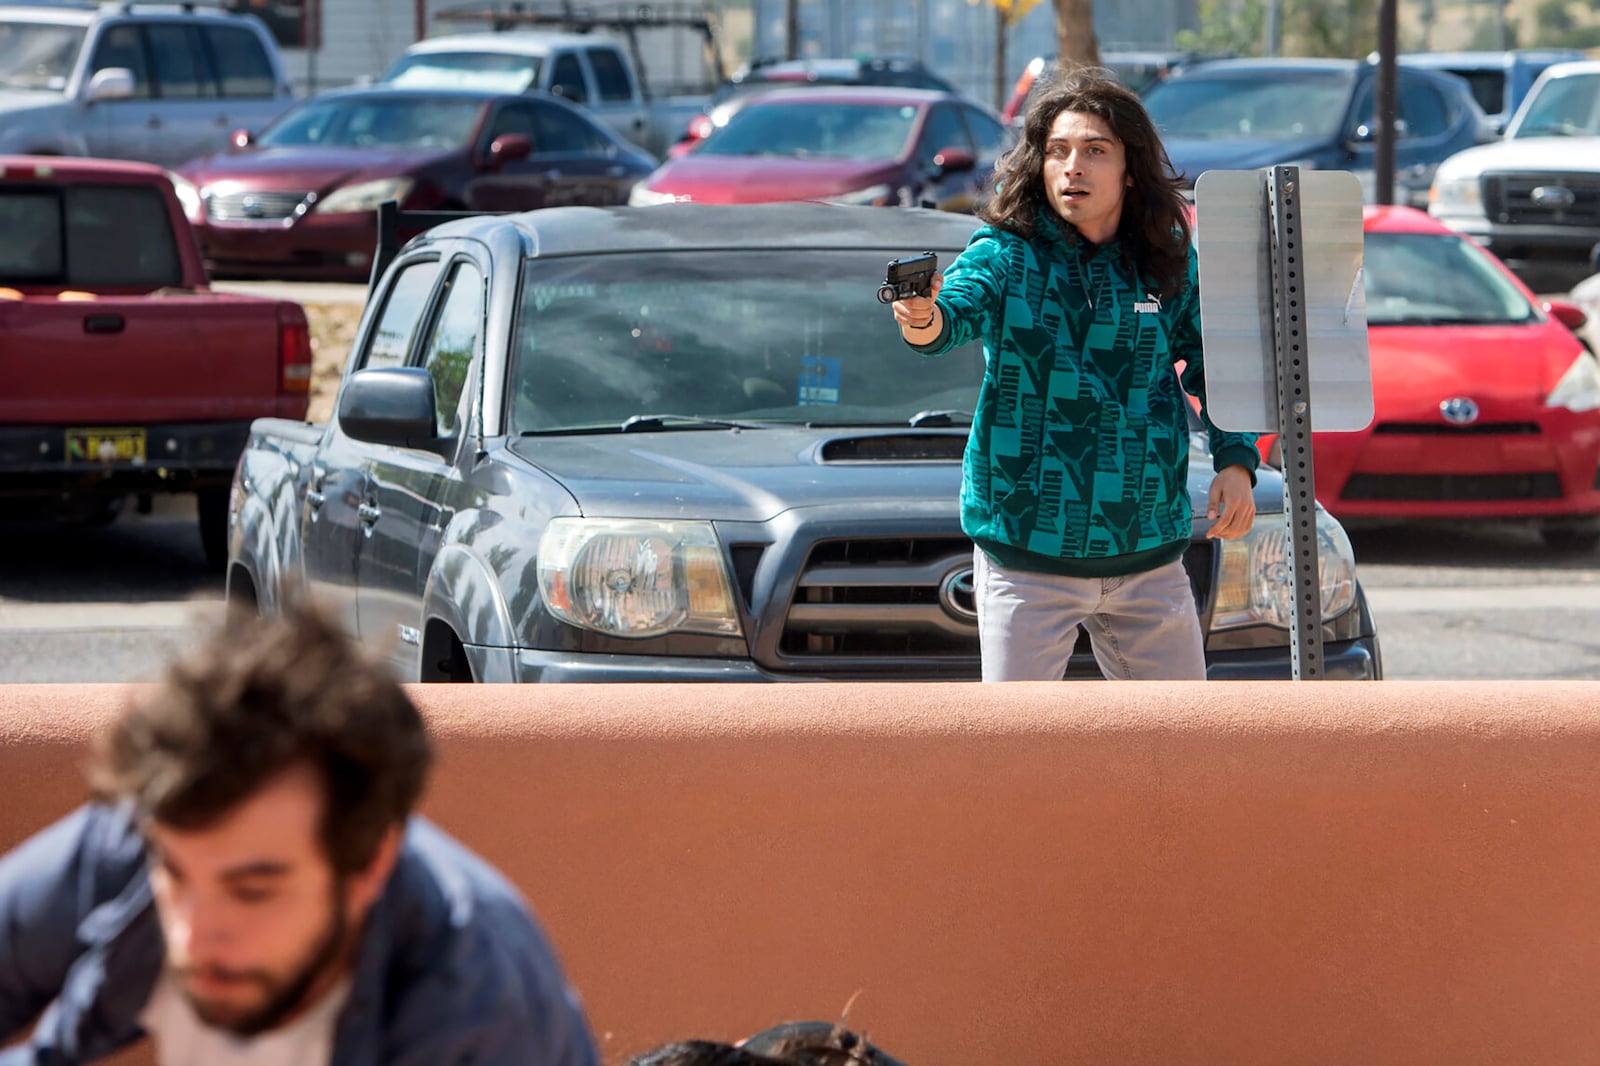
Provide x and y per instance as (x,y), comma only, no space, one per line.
(1533,199)
(897,598)
(253,206)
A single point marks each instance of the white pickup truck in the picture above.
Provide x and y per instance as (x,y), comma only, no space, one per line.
(595,72)
(1533,198)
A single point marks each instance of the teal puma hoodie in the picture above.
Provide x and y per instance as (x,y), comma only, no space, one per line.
(1078,459)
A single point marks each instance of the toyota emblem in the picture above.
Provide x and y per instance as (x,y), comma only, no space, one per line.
(1459,411)
(958,595)
(252,207)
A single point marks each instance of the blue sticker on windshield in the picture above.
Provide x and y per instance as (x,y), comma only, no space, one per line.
(819,379)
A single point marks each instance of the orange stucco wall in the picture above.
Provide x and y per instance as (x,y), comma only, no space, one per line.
(1076,873)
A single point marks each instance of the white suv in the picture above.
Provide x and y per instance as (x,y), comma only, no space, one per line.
(162,83)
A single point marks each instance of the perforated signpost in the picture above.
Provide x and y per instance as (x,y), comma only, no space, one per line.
(1284,319)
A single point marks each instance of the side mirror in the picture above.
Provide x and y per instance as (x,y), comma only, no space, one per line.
(954,160)
(390,405)
(508,148)
(241,138)
(1570,315)
(111,83)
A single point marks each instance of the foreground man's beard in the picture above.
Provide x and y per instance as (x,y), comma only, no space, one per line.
(281,996)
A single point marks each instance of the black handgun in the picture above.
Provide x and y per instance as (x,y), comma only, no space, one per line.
(908,277)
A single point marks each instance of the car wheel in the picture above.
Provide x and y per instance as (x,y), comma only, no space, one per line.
(1570,538)
(213,507)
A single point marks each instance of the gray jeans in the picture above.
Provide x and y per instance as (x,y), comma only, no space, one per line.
(1143,627)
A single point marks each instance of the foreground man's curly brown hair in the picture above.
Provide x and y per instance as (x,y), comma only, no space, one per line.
(260,696)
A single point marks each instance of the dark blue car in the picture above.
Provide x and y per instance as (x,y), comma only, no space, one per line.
(1239,114)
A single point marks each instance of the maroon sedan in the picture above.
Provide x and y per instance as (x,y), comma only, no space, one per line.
(882,146)
(298,200)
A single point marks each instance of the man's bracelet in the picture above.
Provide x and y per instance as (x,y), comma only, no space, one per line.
(924,325)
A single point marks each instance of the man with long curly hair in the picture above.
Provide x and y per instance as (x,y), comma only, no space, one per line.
(1083,288)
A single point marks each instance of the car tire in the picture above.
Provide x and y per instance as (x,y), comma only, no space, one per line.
(212,504)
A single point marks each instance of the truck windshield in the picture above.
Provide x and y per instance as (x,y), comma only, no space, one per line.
(38,55)
(495,71)
(775,337)
(378,121)
(1435,279)
(1564,107)
(1271,105)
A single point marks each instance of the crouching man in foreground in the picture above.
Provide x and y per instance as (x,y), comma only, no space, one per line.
(252,887)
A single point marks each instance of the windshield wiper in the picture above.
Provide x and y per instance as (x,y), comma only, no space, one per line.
(938,418)
(654,422)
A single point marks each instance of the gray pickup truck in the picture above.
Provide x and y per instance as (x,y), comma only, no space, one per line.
(677,443)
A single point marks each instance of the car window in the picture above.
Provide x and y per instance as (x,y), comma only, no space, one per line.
(992,137)
(817,129)
(495,71)
(566,79)
(1276,105)
(37,55)
(122,45)
(455,341)
(1415,279)
(1423,108)
(243,67)
(558,130)
(115,235)
(1488,87)
(180,73)
(610,75)
(944,129)
(390,341)
(378,120)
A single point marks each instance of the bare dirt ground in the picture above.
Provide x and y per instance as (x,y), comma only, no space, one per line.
(333,330)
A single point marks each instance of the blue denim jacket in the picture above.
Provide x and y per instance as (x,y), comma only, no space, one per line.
(452,968)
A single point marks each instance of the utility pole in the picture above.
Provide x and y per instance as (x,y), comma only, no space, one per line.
(791,48)
(1383,157)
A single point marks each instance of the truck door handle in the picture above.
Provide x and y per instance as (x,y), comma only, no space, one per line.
(370,513)
(103,323)
(314,495)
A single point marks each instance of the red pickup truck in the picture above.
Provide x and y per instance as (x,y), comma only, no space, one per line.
(121,372)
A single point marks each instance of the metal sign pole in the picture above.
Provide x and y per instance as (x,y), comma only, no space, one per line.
(1294,415)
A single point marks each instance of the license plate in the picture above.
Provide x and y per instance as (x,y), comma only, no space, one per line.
(114,445)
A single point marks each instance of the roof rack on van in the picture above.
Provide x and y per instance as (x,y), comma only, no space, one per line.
(127,7)
(624,18)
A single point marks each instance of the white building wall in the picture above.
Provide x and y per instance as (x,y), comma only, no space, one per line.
(360,39)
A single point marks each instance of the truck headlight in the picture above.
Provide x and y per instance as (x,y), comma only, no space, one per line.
(1579,387)
(1456,196)
(365,196)
(1257,574)
(636,578)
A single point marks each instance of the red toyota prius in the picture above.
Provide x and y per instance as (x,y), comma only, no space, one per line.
(1487,403)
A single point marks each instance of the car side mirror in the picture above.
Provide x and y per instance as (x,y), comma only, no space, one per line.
(955,160)
(390,405)
(241,138)
(1570,315)
(111,83)
(508,148)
